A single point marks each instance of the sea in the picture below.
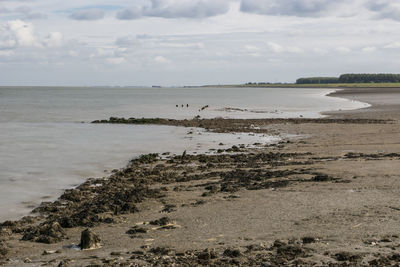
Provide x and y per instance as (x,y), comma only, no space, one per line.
(47,143)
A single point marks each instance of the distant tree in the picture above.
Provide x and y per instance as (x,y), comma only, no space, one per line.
(317,80)
(352,78)
(369,78)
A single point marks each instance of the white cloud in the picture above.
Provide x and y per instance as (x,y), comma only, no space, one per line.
(72,53)
(183,45)
(6,53)
(200,37)
(116,60)
(393,45)
(369,49)
(343,49)
(294,49)
(161,59)
(105,52)
(53,39)
(7,43)
(251,48)
(277,48)
(16,33)
(274,47)
(320,51)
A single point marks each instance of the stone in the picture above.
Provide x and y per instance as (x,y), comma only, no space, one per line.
(48,233)
(232,253)
(89,240)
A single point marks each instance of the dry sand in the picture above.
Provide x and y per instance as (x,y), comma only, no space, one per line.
(330,196)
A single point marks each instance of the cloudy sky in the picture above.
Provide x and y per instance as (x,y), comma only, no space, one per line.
(191,42)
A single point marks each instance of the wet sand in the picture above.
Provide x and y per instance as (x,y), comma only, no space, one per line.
(328,197)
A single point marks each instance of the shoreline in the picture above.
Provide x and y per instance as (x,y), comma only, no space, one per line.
(35,201)
(315,86)
(270,173)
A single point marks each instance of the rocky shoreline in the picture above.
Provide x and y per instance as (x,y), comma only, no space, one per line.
(104,201)
(158,210)
(237,125)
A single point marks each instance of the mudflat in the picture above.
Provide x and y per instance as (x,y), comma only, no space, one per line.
(326,195)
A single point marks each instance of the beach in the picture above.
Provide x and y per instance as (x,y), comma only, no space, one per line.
(327,194)
(48,143)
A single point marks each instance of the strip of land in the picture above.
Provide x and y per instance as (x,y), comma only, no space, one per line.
(328,85)
(328,197)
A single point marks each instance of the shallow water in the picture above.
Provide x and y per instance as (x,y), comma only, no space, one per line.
(44,148)
(87,104)
(39,160)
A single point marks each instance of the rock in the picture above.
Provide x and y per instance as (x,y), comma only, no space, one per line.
(235,149)
(279,243)
(347,256)
(169,208)
(27,260)
(232,253)
(207,255)
(64,263)
(89,240)
(3,250)
(49,252)
(160,251)
(162,221)
(308,240)
(322,178)
(5,232)
(136,230)
(108,220)
(47,232)
(290,252)
(12,227)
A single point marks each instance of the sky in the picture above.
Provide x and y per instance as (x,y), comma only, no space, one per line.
(194,42)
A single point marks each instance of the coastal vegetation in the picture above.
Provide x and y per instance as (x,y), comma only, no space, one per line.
(363,80)
(312,85)
(317,80)
(352,78)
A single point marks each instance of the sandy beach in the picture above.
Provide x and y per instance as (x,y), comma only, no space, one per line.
(329,196)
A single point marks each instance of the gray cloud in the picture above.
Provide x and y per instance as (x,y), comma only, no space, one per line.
(192,9)
(126,41)
(300,8)
(28,13)
(385,9)
(130,13)
(23,9)
(88,14)
(3,10)
(5,1)
(176,9)
(31,16)
(24,12)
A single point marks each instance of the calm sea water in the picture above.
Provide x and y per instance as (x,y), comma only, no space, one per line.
(47,144)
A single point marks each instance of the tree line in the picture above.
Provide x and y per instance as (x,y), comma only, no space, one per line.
(352,78)
(317,80)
